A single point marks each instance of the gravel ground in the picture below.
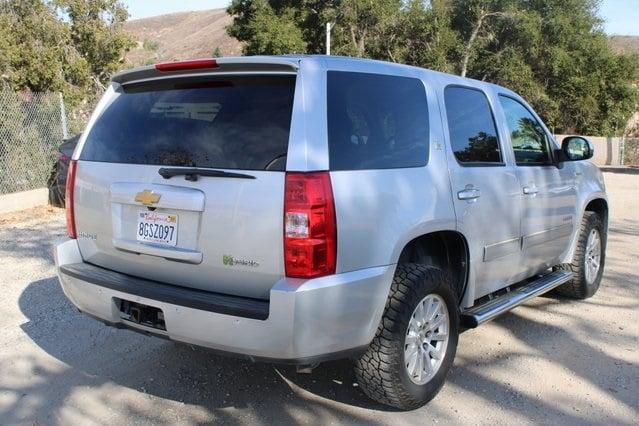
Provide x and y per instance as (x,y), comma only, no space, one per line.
(548,361)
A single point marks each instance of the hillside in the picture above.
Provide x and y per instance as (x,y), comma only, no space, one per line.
(181,36)
(625,44)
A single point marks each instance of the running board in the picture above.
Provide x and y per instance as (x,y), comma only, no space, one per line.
(479,314)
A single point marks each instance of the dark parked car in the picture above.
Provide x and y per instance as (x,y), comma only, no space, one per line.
(58,179)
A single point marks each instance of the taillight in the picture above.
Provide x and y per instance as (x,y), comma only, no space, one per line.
(69,199)
(195,64)
(310,231)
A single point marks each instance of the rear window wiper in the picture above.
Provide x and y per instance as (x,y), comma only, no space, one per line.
(193,174)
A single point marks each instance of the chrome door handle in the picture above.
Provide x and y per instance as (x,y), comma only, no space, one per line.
(469,194)
(530,190)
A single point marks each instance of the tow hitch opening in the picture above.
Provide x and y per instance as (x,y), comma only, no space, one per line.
(141,314)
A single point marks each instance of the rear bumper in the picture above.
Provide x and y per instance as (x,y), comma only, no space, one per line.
(303,322)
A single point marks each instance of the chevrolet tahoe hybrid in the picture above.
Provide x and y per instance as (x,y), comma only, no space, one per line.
(300,209)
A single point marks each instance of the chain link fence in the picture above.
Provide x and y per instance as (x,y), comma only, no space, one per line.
(32,126)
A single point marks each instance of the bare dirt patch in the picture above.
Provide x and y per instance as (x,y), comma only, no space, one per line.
(41,213)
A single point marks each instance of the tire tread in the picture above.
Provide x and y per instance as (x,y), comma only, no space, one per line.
(577,287)
(376,369)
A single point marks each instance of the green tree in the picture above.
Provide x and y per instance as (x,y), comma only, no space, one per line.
(556,55)
(34,49)
(366,28)
(97,33)
(474,21)
(268,28)
(294,26)
(424,36)
(68,46)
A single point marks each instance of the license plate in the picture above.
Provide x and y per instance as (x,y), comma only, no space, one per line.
(157,228)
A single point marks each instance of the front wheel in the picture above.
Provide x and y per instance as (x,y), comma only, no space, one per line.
(588,260)
(407,362)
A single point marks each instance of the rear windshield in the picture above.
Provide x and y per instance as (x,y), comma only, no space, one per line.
(234,123)
(376,121)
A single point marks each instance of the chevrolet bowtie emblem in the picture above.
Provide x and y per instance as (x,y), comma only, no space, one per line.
(147,197)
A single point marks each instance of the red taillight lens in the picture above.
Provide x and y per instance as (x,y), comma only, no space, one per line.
(69,199)
(310,231)
(195,64)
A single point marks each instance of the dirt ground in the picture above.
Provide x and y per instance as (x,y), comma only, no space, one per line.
(549,361)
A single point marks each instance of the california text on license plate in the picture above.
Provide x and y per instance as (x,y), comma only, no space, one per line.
(158,228)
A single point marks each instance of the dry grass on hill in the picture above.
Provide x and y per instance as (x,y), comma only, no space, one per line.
(181,35)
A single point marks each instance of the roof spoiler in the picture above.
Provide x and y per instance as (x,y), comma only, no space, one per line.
(208,66)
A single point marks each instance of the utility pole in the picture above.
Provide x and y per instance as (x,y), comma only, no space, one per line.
(63,118)
(329,27)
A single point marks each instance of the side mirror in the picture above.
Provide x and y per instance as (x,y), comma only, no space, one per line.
(576,148)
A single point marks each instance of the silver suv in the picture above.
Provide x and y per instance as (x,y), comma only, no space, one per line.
(300,209)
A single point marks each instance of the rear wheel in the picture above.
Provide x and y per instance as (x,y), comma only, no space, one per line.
(407,362)
(588,260)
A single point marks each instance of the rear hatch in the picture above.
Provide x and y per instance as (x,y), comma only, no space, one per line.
(181,180)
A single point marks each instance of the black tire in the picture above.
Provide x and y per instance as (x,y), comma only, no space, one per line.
(56,197)
(56,194)
(380,371)
(579,287)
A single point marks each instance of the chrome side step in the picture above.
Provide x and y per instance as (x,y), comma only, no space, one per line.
(479,314)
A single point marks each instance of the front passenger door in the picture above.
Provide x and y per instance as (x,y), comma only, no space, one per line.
(548,191)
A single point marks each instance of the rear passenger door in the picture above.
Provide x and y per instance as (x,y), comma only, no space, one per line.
(548,190)
(486,191)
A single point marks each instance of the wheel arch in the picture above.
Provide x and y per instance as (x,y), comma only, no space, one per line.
(599,206)
(597,203)
(445,249)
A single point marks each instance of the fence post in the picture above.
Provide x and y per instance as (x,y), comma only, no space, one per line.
(63,118)
(622,142)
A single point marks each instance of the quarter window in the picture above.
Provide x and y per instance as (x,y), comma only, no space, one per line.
(376,121)
(473,135)
(528,138)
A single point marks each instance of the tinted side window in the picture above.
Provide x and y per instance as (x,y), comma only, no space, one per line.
(473,134)
(528,138)
(376,121)
(236,123)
